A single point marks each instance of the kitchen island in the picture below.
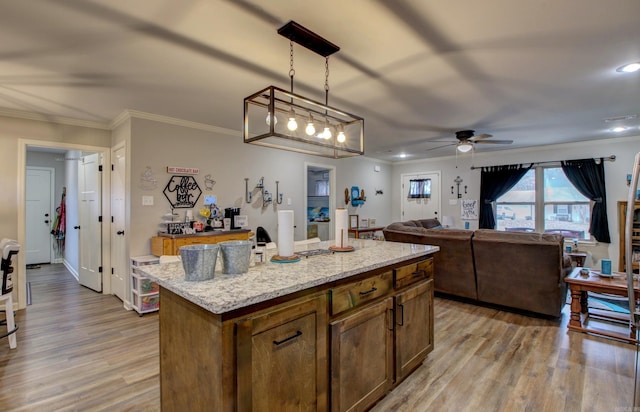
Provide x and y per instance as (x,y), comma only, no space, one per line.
(332,331)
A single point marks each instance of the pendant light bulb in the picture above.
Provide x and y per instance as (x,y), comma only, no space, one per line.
(268,119)
(310,130)
(292,124)
(326,133)
(341,137)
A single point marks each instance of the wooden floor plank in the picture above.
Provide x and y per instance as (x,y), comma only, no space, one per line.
(80,350)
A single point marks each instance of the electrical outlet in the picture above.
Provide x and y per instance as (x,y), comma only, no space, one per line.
(147,200)
(288,201)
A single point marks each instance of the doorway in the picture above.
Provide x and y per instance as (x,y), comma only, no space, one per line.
(72,154)
(426,205)
(320,200)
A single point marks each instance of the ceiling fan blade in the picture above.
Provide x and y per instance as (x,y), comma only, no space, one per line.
(494,141)
(480,137)
(440,147)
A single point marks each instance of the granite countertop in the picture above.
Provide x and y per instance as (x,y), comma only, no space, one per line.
(225,293)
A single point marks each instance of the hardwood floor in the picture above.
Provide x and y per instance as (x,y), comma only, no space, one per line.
(79,350)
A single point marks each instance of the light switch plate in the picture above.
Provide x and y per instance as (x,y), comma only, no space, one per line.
(147,200)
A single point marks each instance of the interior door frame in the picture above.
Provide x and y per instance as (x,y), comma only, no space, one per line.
(332,195)
(52,204)
(20,282)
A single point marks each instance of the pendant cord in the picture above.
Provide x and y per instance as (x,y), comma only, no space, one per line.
(292,71)
(326,81)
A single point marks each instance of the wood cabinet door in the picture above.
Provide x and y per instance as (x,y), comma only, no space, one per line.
(414,327)
(362,357)
(282,360)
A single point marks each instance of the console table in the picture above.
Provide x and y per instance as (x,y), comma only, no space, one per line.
(580,284)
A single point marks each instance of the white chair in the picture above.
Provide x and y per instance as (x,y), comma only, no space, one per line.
(7,301)
(9,248)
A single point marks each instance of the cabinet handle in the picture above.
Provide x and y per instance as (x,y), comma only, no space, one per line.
(280,342)
(366,292)
(418,273)
(401,315)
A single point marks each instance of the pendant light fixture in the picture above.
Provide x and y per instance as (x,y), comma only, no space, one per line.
(327,131)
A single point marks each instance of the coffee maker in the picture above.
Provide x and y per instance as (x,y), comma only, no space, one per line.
(231,213)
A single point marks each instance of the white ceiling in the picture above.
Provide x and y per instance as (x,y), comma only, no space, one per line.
(537,72)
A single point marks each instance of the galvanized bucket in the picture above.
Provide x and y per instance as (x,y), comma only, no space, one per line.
(236,256)
(199,261)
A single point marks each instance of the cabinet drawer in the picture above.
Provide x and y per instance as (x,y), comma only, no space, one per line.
(354,294)
(415,272)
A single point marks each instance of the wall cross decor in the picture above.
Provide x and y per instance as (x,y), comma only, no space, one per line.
(457,181)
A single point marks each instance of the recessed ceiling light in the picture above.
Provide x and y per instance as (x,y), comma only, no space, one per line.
(403,155)
(629,68)
(619,129)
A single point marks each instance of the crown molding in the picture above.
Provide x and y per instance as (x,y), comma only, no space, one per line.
(42,117)
(135,114)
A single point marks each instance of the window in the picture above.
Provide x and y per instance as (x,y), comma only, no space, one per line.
(545,193)
(419,188)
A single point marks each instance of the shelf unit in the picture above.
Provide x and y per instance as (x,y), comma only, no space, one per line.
(635,236)
(145,294)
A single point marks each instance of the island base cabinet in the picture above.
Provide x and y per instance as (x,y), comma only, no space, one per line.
(414,328)
(282,359)
(362,357)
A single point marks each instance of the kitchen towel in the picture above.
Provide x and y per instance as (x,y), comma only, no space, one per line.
(342,227)
(285,233)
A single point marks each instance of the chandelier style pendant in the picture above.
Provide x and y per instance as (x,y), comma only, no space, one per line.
(274,117)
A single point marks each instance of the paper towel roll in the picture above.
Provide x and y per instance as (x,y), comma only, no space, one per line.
(342,227)
(285,233)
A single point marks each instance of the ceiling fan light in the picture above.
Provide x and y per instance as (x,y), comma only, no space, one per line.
(464,147)
(629,68)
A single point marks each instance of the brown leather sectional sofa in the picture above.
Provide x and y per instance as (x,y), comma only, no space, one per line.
(524,271)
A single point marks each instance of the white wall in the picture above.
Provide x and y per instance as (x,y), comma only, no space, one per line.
(223,155)
(615,174)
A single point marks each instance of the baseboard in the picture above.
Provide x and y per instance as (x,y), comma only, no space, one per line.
(71,270)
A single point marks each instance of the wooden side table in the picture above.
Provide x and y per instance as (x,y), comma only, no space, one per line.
(579,286)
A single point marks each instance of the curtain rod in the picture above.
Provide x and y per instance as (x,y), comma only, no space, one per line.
(611,158)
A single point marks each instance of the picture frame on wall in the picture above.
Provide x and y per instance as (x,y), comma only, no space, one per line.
(353,221)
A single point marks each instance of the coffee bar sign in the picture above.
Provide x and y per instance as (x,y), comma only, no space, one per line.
(182,192)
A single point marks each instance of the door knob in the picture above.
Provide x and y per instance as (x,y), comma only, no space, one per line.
(120,232)
(76,227)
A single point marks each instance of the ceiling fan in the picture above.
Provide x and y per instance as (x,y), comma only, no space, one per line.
(467,138)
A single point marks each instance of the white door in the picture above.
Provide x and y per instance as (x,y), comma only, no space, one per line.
(425,208)
(39,213)
(119,259)
(90,253)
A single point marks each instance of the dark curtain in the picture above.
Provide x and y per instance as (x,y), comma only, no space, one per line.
(494,182)
(588,177)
